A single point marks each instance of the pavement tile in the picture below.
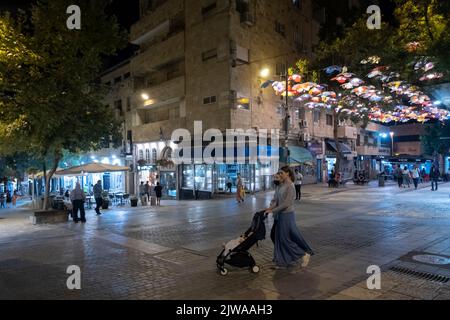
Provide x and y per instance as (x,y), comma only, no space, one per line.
(170,253)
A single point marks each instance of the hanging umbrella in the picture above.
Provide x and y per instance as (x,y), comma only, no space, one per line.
(267,83)
(92,168)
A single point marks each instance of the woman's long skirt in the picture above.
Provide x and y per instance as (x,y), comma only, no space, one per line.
(289,242)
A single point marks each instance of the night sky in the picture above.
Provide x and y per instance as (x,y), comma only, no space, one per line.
(126,11)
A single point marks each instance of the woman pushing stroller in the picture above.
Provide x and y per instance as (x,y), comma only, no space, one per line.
(289,244)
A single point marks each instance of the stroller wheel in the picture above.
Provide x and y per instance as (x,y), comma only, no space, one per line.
(224,271)
(255,269)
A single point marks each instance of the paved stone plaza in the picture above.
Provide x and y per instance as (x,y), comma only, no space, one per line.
(170,252)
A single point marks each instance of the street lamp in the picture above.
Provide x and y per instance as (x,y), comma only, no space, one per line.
(264,73)
(392,143)
(145,96)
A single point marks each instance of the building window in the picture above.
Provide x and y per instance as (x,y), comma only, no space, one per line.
(329,120)
(118,106)
(317,116)
(210,100)
(154,156)
(280,28)
(280,69)
(210,54)
(297,35)
(117,80)
(302,114)
(126,75)
(209,8)
(141,154)
(366,139)
(297,3)
(108,84)
(129,104)
(147,155)
(280,111)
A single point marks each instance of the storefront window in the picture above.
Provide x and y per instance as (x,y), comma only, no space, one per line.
(169,184)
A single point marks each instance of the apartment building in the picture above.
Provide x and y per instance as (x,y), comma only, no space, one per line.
(200,60)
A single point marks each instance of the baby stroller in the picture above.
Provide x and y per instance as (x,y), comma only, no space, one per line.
(239,255)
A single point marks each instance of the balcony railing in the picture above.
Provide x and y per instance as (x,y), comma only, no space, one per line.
(164,93)
(158,55)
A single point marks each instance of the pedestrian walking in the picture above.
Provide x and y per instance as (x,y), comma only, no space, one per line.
(14,198)
(229,185)
(399,175)
(434,176)
(415,176)
(240,189)
(78,197)
(273,204)
(2,200)
(98,191)
(147,190)
(8,199)
(423,174)
(158,192)
(298,185)
(290,245)
(405,175)
(142,194)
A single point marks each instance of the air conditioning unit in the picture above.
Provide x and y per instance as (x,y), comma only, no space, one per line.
(248,18)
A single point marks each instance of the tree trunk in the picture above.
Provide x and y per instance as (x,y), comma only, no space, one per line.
(337,168)
(48,178)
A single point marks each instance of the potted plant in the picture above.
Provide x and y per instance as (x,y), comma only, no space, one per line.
(134,201)
(165,163)
(105,200)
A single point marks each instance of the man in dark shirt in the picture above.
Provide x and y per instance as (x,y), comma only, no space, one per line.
(158,193)
(98,196)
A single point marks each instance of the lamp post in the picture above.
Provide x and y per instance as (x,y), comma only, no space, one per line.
(392,143)
(285,150)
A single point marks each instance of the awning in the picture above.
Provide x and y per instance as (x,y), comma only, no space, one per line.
(299,156)
(91,168)
(345,149)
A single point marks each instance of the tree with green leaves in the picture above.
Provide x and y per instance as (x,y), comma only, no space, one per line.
(50,100)
(437,138)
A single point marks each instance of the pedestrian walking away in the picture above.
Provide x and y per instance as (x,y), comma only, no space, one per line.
(14,198)
(240,189)
(290,246)
(405,174)
(298,185)
(147,190)
(434,176)
(415,176)
(158,192)
(2,200)
(399,174)
(78,198)
(98,191)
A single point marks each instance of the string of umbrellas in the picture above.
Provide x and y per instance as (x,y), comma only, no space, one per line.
(394,100)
